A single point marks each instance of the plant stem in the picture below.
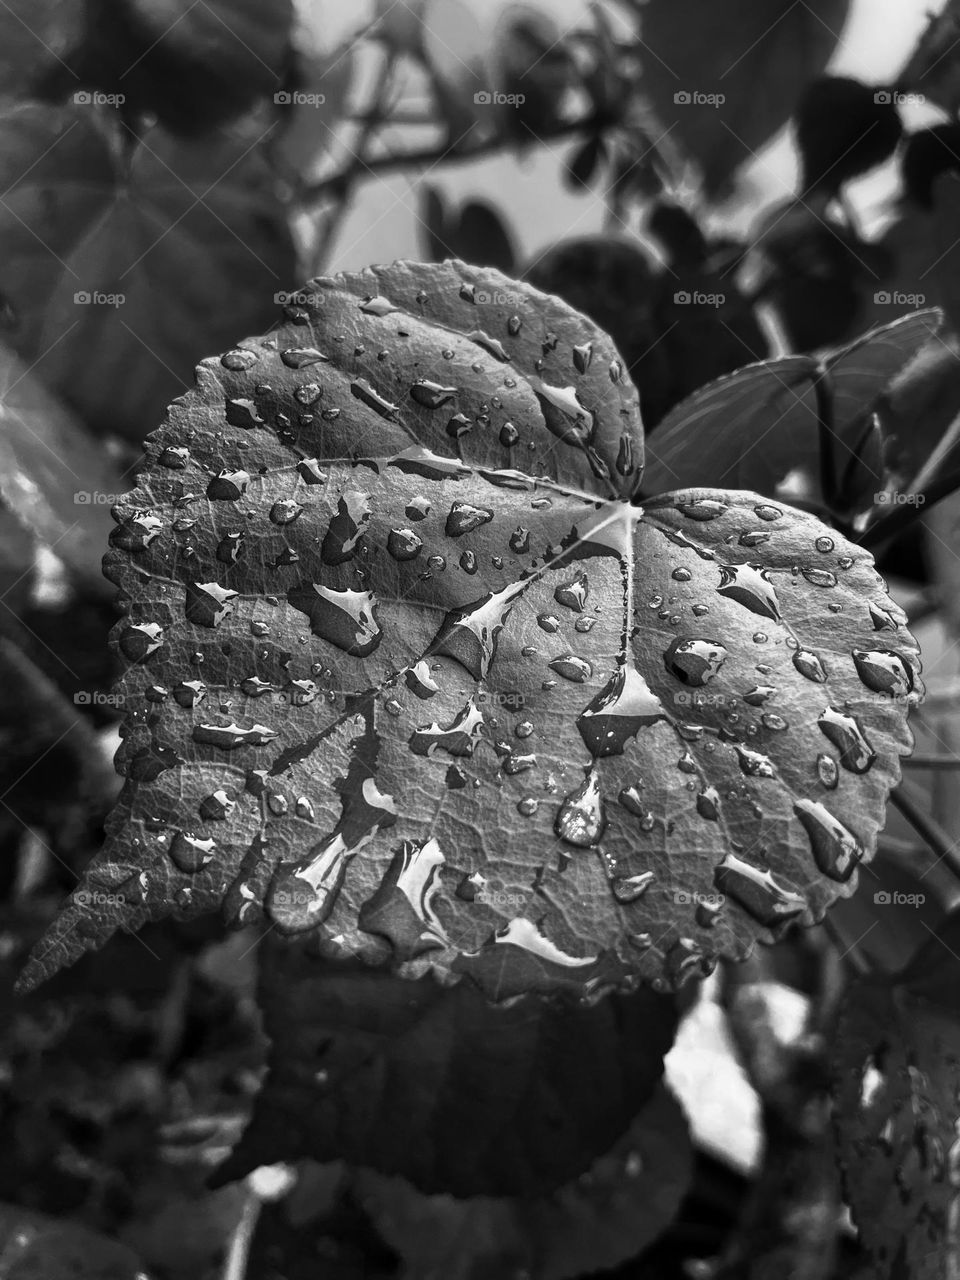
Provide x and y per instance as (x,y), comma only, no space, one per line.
(912,804)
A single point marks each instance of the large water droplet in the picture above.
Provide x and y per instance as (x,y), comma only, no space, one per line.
(844,731)
(694,662)
(460,738)
(628,889)
(749,587)
(810,666)
(580,819)
(572,667)
(464,518)
(618,712)
(345,529)
(884,671)
(758,892)
(836,850)
(190,852)
(573,594)
(347,619)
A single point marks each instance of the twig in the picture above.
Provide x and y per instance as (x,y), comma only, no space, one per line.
(238,1252)
(911,804)
(346,179)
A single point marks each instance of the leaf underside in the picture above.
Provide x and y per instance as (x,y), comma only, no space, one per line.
(408,669)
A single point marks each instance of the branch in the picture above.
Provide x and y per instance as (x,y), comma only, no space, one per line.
(446,153)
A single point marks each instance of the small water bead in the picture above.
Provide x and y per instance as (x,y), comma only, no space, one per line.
(572,667)
(514,324)
(686,763)
(509,435)
(845,732)
(403,544)
(707,914)
(520,541)
(393,707)
(573,594)
(436,564)
(277,803)
(308,394)
(524,729)
(810,666)
(759,694)
(754,539)
(699,610)
(627,889)
(767,512)
(580,819)
(836,851)
(681,575)
(827,771)
(529,651)
(754,764)
(770,720)
(584,624)
(528,806)
(458,425)
(468,562)
(845,562)
(708,804)
(239,359)
(701,509)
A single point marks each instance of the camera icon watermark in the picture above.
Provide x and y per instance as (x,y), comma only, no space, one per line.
(697,698)
(295,98)
(494,98)
(292,898)
(96,298)
(684,899)
(886,298)
(891,97)
(887,898)
(94,98)
(694,98)
(95,698)
(96,898)
(686,298)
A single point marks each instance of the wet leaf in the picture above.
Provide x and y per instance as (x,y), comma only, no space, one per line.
(757,426)
(897,1114)
(758,57)
(607,1215)
(118,276)
(409,671)
(441,1087)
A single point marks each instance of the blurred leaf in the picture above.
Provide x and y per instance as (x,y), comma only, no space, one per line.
(37,40)
(582,162)
(192,65)
(439,1086)
(757,54)
(190,236)
(844,128)
(925,255)
(759,425)
(608,1214)
(482,238)
(933,68)
(897,1055)
(566,697)
(434,223)
(53,477)
(36,1247)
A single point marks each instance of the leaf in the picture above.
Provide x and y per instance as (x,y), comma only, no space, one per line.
(435,222)
(758,425)
(897,1114)
(757,56)
(582,162)
(52,477)
(191,237)
(483,239)
(36,36)
(389,688)
(193,66)
(37,1247)
(438,1085)
(605,1216)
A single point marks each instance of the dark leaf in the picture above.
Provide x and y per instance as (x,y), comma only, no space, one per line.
(897,1113)
(757,56)
(628,1197)
(482,238)
(435,224)
(191,238)
(755,427)
(193,66)
(581,163)
(389,688)
(844,129)
(441,1087)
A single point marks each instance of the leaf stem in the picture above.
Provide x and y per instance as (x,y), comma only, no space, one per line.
(912,805)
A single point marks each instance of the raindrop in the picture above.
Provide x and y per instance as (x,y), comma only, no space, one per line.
(403,544)
(681,575)
(708,803)
(464,518)
(884,671)
(618,712)
(836,850)
(754,764)
(824,544)
(580,819)
(509,435)
(584,624)
(749,587)
(548,622)
(346,619)
(431,394)
(628,889)
(844,731)
(809,665)
(528,806)
(766,512)
(758,892)
(827,771)
(190,852)
(573,594)
(572,668)
(694,662)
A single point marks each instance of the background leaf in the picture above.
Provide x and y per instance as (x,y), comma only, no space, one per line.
(191,236)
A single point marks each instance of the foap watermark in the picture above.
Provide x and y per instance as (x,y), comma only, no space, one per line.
(299,298)
(498,299)
(684,298)
(95,698)
(694,698)
(96,498)
(494,98)
(498,898)
(97,898)
(892,898)
(892,97)
(293,898)
(94,98)
(96,298)
(894,298)
(694,98)
(513,700)
(685,899)
(893,498)
(296,98)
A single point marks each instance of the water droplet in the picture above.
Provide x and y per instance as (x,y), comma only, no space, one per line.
(460,738)
(346,528)
(464,518)
(681,575)
(884,671)
(528,806)
(573,594)
(754,539)
(403,544)
(285,511)
(694,662)
(820,577)
(836,850)
(618,712)
(701,509)
(207,603)
(470,634)
(846,734)
(770,720)
(824,544)
(377,306)
(548,622)
(372,398)
(190,852)
(520,541)
(749,587)
(572,667)
(708,803)
(431,394)
(580,819)
(228,486)
(754,764)
(809,665)
(584,624)
(882,619)
(217,806)
(347,619)
(239,359)
(758,892)
(628,889)
(827,771)
(766,512)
